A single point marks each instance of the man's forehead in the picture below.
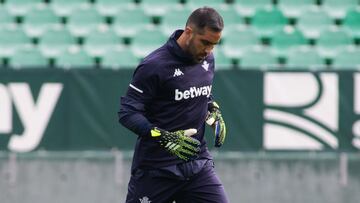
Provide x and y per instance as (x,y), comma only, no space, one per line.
(210,35)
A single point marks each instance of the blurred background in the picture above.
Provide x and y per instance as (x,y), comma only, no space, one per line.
(287,80)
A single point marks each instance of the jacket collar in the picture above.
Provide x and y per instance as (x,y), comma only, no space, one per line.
(176,50)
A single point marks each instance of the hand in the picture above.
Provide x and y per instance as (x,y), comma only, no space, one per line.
(215,120)
(178,143)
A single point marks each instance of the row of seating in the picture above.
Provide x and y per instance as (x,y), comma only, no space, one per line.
(255,58)
(235,42)
(126,23)
(292,8)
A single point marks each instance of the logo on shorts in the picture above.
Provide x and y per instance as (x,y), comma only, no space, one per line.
(144,200)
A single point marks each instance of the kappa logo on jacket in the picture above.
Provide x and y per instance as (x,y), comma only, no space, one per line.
(178,72)
(145,200)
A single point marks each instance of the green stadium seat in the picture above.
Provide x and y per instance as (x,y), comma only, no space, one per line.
(313,21)
(112,7)
(21,7)
(304,57)
(6,18)
(66,7)
(294,8)
(55,41)
(119,59)
(258,58)
(331,41)
(238,40)
(12,39)
(176,19)
(146,41)
(84,20)
(29,57)
(285,40)
(231,18)
(351,22)
(129,21)
(347,59)
(222,62)
(267,21)
(38,20)
(159,7)
(248,7)
(194,4)
(99,41)
(337,9)
(74,58)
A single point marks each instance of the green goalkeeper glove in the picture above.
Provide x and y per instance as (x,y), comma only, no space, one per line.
(178,143)
(215,120)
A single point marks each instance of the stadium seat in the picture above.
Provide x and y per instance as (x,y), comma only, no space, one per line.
(285,40)
(267,21)
(258,58)
(237,41)
(74,58)
(146,41)
(304,58)
(313,21)
(12,39)
(159,7)
(247,8)
(66,7)
(97,42)
(55,41)
(119,59)
(351,22)
(347,59)
(231,19)
(222,62)
(5,18)
(216,4)
(38,20)
(112,7)
(21,7)
(176,19)
(332,41)
(29,57)
(337,9)
(294,8)
(84,20)
(129,21)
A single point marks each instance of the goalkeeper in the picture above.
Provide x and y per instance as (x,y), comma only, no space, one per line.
(167,105)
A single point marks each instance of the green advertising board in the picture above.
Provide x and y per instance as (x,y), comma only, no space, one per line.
(54,109)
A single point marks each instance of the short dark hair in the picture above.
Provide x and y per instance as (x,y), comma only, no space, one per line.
(206,17)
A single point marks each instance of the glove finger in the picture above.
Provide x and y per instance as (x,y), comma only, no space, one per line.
(192,142)
(192,148)
(181,156)
(211,118)
(190,132)
(220,133)
(189,153)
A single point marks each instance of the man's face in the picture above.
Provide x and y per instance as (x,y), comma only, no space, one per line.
(201,44)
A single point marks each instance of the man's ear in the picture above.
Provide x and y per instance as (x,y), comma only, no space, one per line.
(188,30)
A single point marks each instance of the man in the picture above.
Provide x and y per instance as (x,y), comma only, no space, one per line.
(166,105)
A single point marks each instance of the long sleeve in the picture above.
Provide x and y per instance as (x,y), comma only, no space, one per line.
(141,90)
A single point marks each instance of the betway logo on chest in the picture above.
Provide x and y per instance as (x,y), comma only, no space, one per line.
(193,92)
